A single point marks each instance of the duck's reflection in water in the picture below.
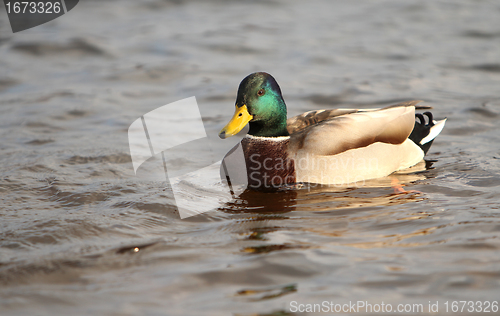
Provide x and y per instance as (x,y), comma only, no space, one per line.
(265,219)
(263,202)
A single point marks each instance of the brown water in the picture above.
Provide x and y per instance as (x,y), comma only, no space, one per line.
(80,233)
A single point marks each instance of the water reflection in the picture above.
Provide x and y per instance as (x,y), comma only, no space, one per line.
(259,294)
(262,219)
(263,202)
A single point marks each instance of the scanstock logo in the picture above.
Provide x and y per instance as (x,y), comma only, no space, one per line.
(170,144)
(24,15)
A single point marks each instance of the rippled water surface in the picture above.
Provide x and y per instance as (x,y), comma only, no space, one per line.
(80,233)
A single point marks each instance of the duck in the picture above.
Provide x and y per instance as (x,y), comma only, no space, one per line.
(326,147)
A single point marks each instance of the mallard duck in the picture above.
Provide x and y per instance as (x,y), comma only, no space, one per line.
(339,146)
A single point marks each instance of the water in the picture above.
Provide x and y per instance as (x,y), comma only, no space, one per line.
(81,234)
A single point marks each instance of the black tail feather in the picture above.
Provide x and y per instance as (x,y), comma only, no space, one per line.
(422,129)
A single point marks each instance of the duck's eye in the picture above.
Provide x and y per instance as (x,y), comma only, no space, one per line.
(261,92)
(240,114)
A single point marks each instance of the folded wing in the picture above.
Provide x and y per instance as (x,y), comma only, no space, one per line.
(332,132)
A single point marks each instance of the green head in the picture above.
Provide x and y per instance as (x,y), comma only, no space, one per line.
(260,103)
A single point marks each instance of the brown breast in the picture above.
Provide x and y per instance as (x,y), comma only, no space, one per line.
(268,164)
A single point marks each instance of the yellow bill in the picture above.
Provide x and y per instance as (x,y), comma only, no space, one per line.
(240,118)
